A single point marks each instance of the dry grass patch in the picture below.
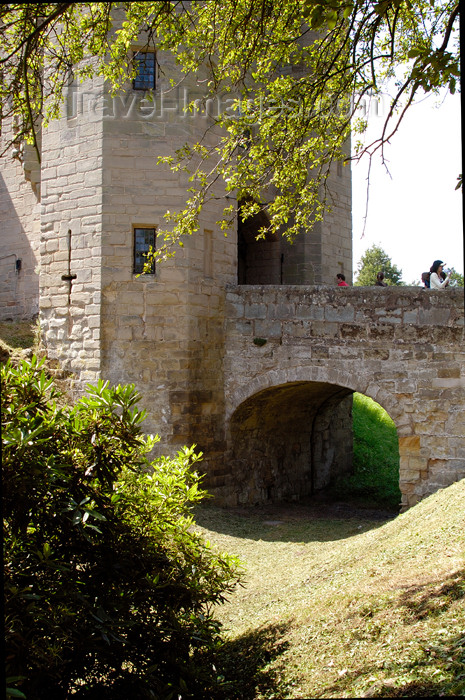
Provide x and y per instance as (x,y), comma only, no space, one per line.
(20,340)
(346,607)
(17,336)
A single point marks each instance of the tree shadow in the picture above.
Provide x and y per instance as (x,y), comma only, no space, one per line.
(433,598)
(438,667)
(250,664)
(430,676)
(311,520)
(444,675)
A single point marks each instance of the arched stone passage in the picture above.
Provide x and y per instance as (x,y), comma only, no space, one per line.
(289,441)
(401,347)
(329,442)
(348,381)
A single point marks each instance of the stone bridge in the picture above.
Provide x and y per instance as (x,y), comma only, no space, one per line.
(295,354)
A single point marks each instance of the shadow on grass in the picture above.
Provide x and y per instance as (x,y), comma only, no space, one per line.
(433,598)
(436,671)
(19,334)
(436,668)
(309,521)
(252,668)
(250,665)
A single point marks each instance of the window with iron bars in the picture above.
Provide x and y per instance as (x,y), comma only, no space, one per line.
(145,64)
(144,241)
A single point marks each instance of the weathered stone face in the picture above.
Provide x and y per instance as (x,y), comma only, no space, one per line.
(99,180)
(288,441)
(19,231)
(403,347)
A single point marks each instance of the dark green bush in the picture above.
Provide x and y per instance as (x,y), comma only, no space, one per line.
(108,593)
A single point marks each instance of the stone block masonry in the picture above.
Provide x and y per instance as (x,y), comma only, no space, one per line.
(19,233)
(71,229)
(344,340)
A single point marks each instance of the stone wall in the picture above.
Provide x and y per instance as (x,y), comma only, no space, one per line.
(19,231)
(70,248)
(162,331)
(403,347)
(284,443)
(315,256)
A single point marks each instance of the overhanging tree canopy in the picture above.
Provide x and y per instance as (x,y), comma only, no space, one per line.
(297,70)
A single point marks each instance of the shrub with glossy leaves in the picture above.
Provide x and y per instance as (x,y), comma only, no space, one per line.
(108,592)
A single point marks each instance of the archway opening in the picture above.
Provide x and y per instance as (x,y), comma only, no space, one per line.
(288,442)
(375,474)
(302,439)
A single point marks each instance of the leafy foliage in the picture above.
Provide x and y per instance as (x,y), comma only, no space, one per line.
(456,278)
(295,74)
(375,260)
(108,591)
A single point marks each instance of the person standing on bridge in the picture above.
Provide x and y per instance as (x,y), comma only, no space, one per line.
(380,280)
(436,280)
(341,280)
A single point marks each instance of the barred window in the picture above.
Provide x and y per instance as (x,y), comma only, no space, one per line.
(145,65)
(144,240)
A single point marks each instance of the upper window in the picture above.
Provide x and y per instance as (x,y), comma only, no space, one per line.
(144,240)
(145,65)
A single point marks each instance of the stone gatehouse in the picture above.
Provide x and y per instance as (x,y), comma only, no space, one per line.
(73,230)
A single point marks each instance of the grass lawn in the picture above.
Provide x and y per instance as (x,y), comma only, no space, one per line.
(18,334)
(352,607)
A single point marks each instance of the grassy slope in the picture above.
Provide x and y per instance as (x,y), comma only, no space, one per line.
(346,608)
(16,336)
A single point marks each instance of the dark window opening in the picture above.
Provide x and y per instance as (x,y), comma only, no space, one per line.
(258,261)
(145,65)
(144,241)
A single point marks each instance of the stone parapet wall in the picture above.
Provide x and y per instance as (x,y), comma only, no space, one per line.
(366,309)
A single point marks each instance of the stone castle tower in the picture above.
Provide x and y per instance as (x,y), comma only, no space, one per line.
(75,228)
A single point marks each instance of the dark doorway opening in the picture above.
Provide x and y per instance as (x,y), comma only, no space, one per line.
(259,261)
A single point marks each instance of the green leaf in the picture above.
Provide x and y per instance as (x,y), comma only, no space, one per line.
(14,693)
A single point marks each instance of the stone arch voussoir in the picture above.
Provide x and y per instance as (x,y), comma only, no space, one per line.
(330,375)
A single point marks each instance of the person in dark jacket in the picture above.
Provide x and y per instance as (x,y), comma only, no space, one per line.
(380,280)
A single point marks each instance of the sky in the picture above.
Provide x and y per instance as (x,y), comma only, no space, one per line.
(414,213)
